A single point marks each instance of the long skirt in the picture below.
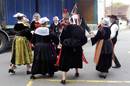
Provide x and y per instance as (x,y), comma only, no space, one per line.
(44,59)
(70,58)
(105,62)
(21,51)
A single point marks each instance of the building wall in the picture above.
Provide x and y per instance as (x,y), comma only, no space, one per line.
(101,9)
(88,10)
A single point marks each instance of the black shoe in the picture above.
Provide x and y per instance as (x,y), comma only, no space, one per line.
(63,82)
(15,67)
(103,75)
(28,72)
(51,74)
(43,74)
(32,77)
(11,71)
(116,66)
(76,74)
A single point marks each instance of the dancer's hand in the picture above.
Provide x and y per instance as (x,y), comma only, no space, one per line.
(91,34)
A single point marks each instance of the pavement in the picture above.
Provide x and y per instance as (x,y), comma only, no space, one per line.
(88,75)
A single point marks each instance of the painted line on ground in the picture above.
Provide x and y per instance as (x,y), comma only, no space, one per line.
(30,82)
(92,81)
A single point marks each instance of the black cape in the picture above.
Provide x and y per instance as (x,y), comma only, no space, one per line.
(72,40)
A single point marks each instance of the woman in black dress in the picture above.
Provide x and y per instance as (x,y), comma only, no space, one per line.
(104,48)
(72,39)
(35,22)
(44,51)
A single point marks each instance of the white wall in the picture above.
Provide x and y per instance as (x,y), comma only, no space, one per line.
(101,9)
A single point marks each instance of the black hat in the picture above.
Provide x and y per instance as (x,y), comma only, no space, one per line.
(114,17)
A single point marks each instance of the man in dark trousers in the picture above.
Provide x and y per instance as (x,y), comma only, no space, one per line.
(114,33)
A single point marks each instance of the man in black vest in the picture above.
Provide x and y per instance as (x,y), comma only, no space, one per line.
(114,33)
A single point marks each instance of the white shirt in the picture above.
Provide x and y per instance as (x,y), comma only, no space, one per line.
(114,28)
